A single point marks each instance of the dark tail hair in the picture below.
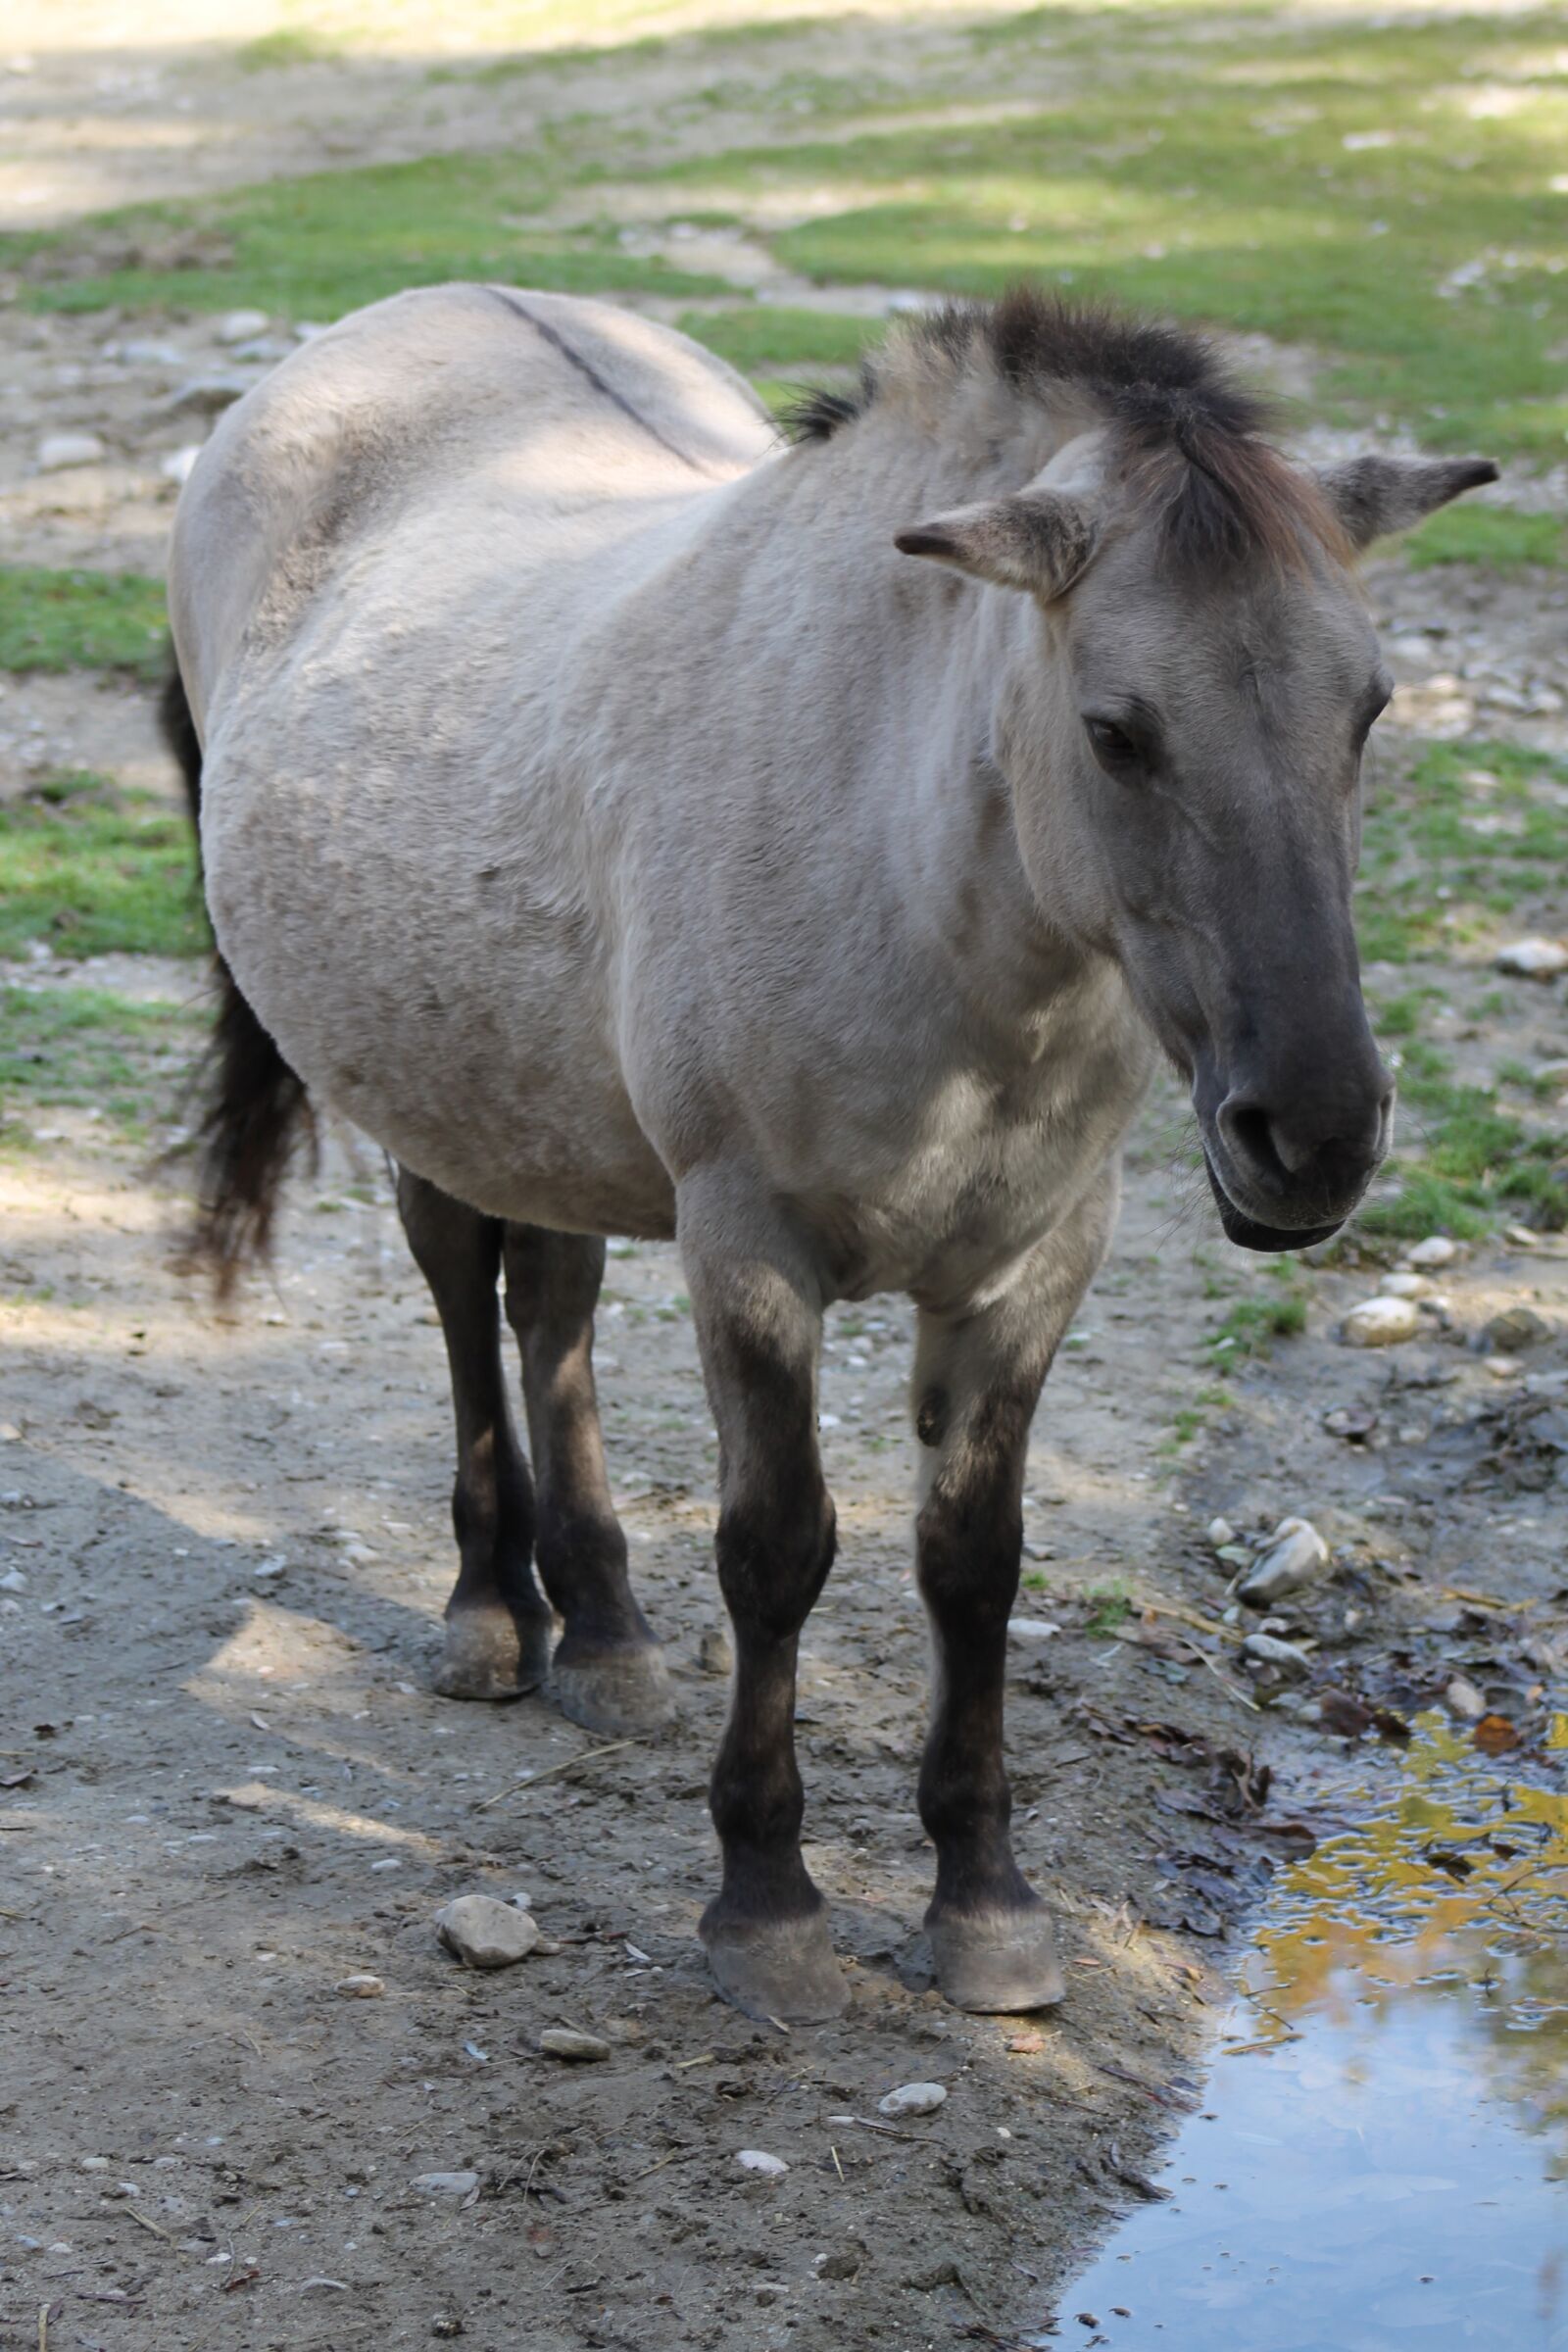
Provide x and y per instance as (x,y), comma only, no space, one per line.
(254,1108)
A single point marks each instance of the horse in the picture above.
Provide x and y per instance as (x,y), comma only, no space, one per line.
(641,823)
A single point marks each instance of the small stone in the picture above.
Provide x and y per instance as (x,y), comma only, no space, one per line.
(844,2263)
(238,326)
(1381,1322)
(1463,1699)
(1283,1656)
(58,451)
(757,2160)
(913,2098)
(1505,1367)
(1032,1629)
(1522,1236)
(1219,1533)
(206,395)
(1436,1251)
(95,2164)
(14,1580)
(767,2296)
(483,1933)
(1517,1327)
(573,2048)
(445,2185)
(942,2272)
(1405,1285)
(1533,959)
(361,1987)
(713,1652)
(446,2322)
(1296,1556)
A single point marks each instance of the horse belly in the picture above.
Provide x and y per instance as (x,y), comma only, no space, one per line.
(470,1042)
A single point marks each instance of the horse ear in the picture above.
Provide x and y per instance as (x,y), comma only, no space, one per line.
(1373,496)
(1038,540)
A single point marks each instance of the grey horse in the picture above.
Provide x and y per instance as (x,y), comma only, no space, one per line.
(643,826)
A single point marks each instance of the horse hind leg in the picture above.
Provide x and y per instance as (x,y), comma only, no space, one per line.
(498,1623)
(608,1671)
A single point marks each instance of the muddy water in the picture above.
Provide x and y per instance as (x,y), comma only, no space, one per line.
(1382,2156)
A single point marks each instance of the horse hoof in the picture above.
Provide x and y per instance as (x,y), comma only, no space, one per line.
(998,1962)
(621,1691)
(488,1652)
(778,1971)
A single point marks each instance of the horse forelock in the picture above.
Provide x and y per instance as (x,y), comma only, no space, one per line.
(1190,437)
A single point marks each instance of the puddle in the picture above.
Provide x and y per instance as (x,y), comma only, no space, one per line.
(1382,2158)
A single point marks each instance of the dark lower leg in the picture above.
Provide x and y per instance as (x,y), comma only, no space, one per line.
(990,1933)
(608,1670)
(759,1325)
(496,1621)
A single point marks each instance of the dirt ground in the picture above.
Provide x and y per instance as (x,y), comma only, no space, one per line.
(225,1786)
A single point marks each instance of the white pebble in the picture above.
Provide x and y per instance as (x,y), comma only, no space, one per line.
(575,2048)
(1220,1531)
(446,2185)
(1533,959)
(57,451)
(1463,1699)
(1405,1285)
(1381,1322)
(757,2160)
(1436,1251)
(913,2098)
(361,1987)
(1294,1555)
(485,1933)
(1033,1629)
(239,326)
(1270,1651)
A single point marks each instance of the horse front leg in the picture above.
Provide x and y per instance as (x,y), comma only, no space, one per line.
(758,1306)
(608,1671)
(977,1381)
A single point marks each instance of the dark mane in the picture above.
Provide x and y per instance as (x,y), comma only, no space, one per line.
(1190,437)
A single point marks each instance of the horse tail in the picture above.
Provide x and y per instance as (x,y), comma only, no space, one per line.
(253,1108)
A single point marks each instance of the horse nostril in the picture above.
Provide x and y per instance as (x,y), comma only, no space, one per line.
(1253,1139)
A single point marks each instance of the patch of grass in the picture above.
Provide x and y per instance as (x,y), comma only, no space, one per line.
(1476,1162)
(1253,1325)
(87,1049)
(1465,835)
(1498,537)
(765,337)
(315,247)
(82,620)
(1110,1604)
(1342,185)
(289,45)
(1185,1427)
(91,872)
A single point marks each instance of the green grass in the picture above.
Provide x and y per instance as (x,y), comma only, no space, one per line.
(1110,1605)
(1477,1162)
(90,871)
(1353,186)
(765,337)
(1497,536)
(1253,1325)
(289,45)
(87,1049)
(1427,832)
(315,247)
(82,620)
(1212,179)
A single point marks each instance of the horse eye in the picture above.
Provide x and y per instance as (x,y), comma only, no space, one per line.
(1110,743)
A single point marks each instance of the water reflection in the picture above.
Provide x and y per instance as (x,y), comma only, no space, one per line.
(1384,2157)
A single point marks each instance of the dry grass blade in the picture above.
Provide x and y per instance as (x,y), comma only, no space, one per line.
(566,1764)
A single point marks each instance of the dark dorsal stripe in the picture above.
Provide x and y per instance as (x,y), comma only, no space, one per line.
(591,374)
